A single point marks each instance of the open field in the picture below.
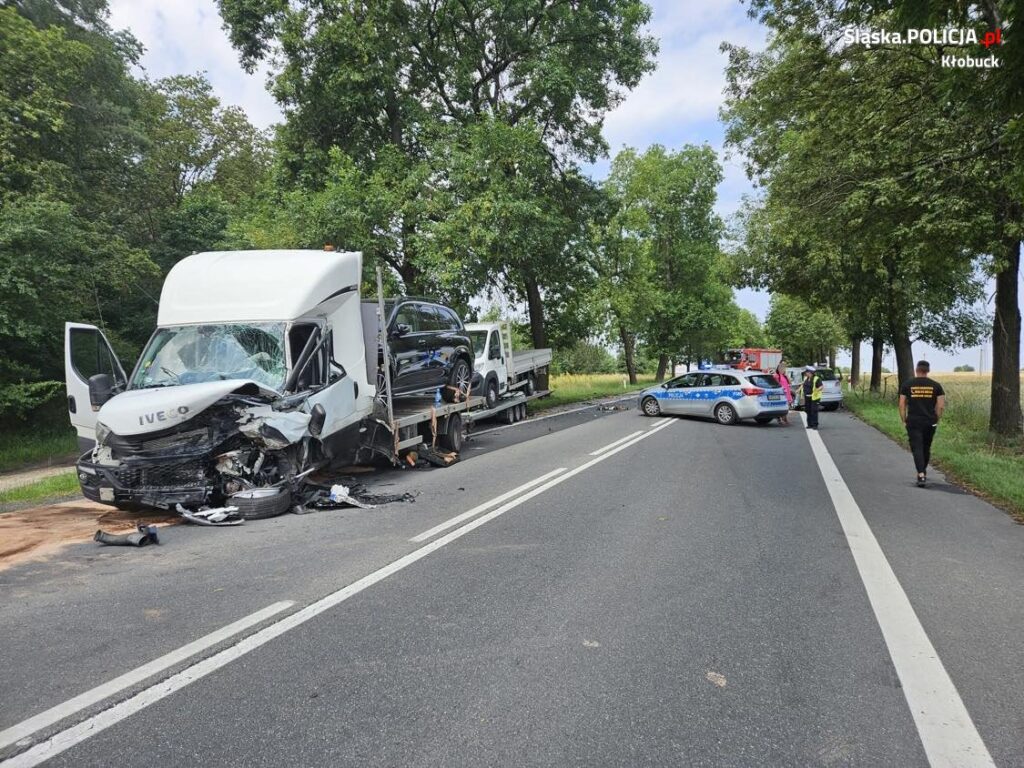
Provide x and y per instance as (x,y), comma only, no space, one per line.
(963,449)
(576,387)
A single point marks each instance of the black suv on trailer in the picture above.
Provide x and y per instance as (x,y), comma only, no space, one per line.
(429,348)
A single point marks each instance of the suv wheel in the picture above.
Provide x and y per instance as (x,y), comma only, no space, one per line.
(459,382)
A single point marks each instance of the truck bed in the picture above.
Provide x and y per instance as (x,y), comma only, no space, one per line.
(525,360)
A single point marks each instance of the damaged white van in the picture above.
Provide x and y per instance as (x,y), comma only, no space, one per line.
(255,374)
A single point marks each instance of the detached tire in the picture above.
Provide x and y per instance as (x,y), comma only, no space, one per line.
(459,382)
(763,419)
(261,503)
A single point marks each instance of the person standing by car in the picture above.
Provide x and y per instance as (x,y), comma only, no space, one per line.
(922,401)
(780,374)
(812,395)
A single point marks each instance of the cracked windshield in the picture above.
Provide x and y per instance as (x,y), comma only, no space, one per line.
(196,353)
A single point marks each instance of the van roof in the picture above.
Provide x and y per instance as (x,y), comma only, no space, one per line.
(253,286)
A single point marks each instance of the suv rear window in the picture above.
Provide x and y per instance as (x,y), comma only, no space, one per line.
(826,374)
(764,381)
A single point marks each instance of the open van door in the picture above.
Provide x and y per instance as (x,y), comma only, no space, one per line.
(86,353)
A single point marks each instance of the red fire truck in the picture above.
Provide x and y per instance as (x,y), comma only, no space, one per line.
(753,358)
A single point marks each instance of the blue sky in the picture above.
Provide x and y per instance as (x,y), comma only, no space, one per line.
(675,105)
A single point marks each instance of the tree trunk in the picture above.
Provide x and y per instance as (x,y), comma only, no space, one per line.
(832,358)
(536,307)
(1005,412)
(877,350)
(627,350)
(854,361)
(904,355)
(662,367)
(900,335)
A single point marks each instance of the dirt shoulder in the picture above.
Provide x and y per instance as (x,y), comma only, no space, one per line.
(39,532)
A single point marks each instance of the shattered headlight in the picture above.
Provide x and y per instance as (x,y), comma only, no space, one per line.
(102,433)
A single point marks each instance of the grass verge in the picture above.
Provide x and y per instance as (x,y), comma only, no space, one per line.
(65,484)
(28,446)
(575,388)
(963,448)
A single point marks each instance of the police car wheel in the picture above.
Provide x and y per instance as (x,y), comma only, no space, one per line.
(725,414)
(650,407)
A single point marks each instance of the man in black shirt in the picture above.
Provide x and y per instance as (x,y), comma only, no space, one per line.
(922,401)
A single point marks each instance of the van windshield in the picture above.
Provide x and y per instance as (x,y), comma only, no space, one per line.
(190,354)
(479,339)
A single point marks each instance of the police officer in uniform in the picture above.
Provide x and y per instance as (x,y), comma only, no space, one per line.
(812,395)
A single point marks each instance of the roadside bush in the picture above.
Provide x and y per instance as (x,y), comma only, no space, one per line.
(583,357)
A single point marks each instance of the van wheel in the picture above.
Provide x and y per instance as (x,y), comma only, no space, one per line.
(725,414)
(650,407)
(491,393)
(261,503)
(451,440)
(459,382)
(531,384)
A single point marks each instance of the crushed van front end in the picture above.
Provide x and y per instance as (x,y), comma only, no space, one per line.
(237,444)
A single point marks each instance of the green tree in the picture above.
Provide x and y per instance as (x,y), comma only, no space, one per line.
(397,87)
(805,335)
(969,122)
(657,257)
(747,330)
(853,217)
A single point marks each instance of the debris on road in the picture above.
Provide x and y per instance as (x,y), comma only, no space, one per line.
(340,496)
(143,536)
(717,679)
(212,517)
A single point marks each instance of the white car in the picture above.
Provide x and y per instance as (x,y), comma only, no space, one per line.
(831,393)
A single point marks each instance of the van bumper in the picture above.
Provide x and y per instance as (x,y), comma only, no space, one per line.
(148,484)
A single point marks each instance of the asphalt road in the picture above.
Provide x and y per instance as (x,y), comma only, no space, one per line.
(692,595)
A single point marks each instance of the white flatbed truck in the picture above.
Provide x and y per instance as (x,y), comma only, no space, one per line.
(499,371)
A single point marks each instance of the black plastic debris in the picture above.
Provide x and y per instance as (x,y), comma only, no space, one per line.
(340,496)
(143,536)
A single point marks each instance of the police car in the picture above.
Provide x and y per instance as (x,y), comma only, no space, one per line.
(726,395)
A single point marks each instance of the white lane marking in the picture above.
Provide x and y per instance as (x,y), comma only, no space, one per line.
(69,737)
(620,440)
(947,732)
(485,506)
(552,415)
(36,723)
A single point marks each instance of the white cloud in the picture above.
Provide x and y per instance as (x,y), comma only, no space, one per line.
(185,37)
(686,88)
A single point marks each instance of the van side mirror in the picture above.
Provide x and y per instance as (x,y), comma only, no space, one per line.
(317,417)
(101,389)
